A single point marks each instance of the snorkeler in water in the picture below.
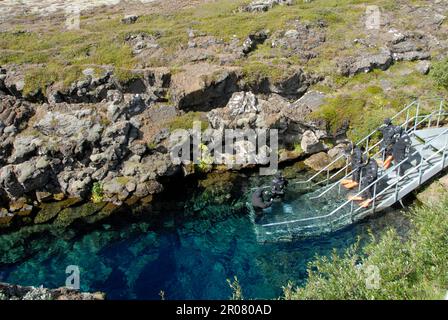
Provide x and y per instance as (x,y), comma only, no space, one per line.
(278,186)
(258,202)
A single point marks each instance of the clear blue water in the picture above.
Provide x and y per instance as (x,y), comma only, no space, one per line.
(188,256)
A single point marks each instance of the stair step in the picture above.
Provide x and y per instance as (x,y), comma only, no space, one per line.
(428,134)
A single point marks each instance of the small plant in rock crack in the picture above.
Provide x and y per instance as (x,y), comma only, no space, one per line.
(97,192)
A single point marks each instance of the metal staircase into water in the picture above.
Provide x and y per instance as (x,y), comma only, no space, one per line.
(327,209)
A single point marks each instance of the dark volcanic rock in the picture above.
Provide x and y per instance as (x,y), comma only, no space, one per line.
(265,5)
(88,89)
(365,63)
(247,111)
(142,42)
(202,87)
(130,19)
(253,40)
(300,40)
(292,86)
(14,115)
(15,292)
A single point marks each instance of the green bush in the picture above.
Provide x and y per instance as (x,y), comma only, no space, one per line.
(97,192)
(439,73)
(411,268)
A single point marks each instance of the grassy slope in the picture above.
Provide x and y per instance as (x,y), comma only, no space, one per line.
(414,268)
(100,41)
(53,56)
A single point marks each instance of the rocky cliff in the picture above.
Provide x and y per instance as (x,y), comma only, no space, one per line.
(90,130)
(14,292)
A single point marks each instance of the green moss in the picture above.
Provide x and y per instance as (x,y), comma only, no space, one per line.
(298,148)
(256,71)
(363,101)
(68,215)
(152,145)
(339,110)
(40,78)
(186,121)
(439,72)
(122,180)
(50,210)
(126,75)
(114,54)
(97,193)
(374,90)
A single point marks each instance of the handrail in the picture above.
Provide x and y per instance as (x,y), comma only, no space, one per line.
(376,154)
(360,192)
(423,160)
(327,167)
(369,148)
(358,143)
(376,144)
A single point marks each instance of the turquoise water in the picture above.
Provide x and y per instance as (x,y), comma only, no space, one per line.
(188,254)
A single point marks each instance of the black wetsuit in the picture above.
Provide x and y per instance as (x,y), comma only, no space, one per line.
(278,186)
(388,132)
(357,160)
(369,175)
(258,203)
(400,151)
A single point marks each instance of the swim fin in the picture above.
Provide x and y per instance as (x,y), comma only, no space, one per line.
(355,198)
(351,185)
(366,203)
(388,162)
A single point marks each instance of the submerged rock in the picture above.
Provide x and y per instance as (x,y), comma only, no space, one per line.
(51,210)
(69,215)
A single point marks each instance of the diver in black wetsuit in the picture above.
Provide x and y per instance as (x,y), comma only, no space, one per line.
(258,202)
(400,148)
(357,159)
(369,175)
(278,186)
(388,131)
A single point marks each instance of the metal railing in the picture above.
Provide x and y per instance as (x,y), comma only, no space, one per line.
(374,184)
(411,133)
(367,140)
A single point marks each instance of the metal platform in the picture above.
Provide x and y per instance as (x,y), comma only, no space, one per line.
(327,208)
